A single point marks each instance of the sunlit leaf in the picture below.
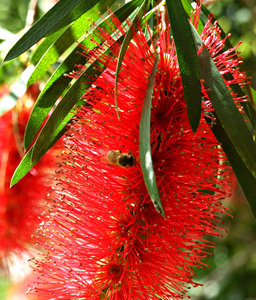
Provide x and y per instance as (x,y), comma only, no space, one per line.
(76,91)
(44,45)
(68,39)
(55,87)
(64,12)
(58,83)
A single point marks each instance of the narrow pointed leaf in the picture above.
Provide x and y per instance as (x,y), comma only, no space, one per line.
(64,12)
(252,95)
(72,96)
(23,168)
(58,83)
(188,61)
(44,45)
(55,87)
(225,108)
(246,179)
(125,45)
(68,39)
(145,143)
(27,164)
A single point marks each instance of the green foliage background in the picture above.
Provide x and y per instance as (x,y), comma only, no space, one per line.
(239,18)
(232,272)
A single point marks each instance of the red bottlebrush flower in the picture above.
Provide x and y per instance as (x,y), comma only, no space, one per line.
(3,91)
(103,238)
(21,204)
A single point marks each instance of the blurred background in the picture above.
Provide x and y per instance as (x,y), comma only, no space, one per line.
(239,18)
(232,269)
(232,272)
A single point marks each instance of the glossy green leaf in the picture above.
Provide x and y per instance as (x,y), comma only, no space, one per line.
(56,85)
(68,39)
(225,108)
(72,96)
(125,45)
(44,45)
(64,12)
(145,143)
(188,61)
(246,179)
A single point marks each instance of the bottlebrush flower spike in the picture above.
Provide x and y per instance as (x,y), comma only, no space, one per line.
(103,238)
(21,204)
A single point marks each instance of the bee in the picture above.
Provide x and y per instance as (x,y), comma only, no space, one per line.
(124,160)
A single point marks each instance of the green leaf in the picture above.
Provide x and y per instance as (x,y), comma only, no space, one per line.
(188,61)
(57,84)
(225,108)
(125,45)
(245,178)
(68,39)
(252,95)
(64,12)
(44,45)
(55,87)
(145,143)
(76,91)
(26,163)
